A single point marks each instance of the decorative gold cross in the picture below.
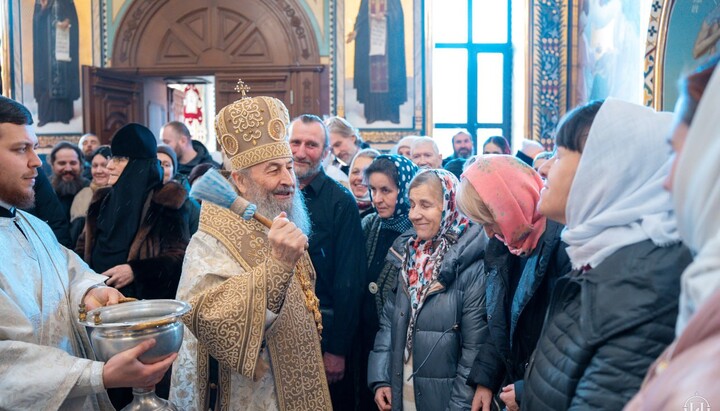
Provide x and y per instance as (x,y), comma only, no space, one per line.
(242,88)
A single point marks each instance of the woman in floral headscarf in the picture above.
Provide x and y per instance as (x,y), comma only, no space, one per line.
(523,259)
(431,330)
(386,233)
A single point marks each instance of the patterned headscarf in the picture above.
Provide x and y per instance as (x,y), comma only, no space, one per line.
(511,190)
(406,170)
(423,259)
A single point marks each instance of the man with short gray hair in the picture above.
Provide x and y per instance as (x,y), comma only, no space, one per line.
(425,153)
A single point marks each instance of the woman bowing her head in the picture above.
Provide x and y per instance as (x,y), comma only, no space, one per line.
(430,331)
(523,259)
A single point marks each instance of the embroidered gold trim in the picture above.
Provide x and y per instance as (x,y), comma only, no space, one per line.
(292,340)
(259,154)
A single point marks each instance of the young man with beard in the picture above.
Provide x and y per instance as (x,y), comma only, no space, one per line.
(189,152)
(66,160)
(337,250)
(45,356)
(254,340)
(88,144)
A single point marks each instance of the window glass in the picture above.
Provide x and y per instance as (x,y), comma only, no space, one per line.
(449,86)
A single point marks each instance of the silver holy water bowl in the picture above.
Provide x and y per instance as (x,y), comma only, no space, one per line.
(117,328)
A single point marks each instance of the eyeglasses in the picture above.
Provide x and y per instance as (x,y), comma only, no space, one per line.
(119,159)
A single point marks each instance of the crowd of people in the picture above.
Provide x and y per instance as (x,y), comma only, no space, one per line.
(579,279)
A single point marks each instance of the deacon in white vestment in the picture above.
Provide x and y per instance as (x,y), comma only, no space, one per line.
(45,357)
(43,351)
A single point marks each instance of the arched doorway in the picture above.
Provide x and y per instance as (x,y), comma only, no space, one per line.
(270,44)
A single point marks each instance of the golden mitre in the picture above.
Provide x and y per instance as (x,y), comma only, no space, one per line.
(253,130)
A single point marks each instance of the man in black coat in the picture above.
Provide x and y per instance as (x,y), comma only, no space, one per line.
(337,251)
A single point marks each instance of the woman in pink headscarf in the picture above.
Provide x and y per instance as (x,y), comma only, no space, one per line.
(522,261)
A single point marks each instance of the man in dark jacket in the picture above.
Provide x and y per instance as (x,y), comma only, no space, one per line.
(47,207)
(189,152)
(337,251)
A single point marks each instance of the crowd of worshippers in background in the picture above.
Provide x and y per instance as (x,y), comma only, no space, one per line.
(535,281)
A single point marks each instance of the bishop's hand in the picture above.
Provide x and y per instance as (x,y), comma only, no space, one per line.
(287,242)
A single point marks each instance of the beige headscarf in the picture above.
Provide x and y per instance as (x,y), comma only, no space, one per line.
(696,193)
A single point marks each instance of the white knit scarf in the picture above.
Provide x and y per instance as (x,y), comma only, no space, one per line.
(617,196)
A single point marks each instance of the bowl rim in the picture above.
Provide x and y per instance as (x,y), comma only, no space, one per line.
(181,308)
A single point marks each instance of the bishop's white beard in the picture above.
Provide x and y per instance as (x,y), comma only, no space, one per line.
(270,207)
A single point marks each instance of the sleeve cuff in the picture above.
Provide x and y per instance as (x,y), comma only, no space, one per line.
(90,380)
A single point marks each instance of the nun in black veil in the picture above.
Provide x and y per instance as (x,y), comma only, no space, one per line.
(136,232)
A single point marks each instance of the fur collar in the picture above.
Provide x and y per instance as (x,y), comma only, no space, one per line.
(171,195)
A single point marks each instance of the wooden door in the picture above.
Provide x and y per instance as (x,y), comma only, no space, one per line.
(110,100)
(296,88)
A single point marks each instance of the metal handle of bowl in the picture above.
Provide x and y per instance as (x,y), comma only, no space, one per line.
(82,309)
(152,324)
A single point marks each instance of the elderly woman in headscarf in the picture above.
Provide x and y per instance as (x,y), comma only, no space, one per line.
(81,202)
(386,233)
(135,232)
(168,161)
(523,259)
(691,364)
(431,329)
(616,311)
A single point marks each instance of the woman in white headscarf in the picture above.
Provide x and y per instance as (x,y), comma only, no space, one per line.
(691,365)
(615,312)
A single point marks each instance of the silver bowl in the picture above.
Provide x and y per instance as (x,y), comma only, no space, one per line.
(117,328)
(120,327)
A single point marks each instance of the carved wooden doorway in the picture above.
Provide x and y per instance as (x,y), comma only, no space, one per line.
(270,44)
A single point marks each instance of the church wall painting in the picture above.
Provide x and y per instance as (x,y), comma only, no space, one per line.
(608,50)
(49,58)
(377,68)
(682,35)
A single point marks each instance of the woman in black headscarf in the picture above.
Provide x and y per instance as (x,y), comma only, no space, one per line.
(136,232)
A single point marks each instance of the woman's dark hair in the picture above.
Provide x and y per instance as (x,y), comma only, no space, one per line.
(385,166)
(103,151)
(692,88)
(499,141)
(572,132)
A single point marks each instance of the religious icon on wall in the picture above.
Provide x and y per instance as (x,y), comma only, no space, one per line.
(193,112)
(56,68)
(380,76)
(379,83)
(610,45)
(688,33)
(55,40)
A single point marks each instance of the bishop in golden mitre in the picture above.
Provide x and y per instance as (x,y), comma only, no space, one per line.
(254,329)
